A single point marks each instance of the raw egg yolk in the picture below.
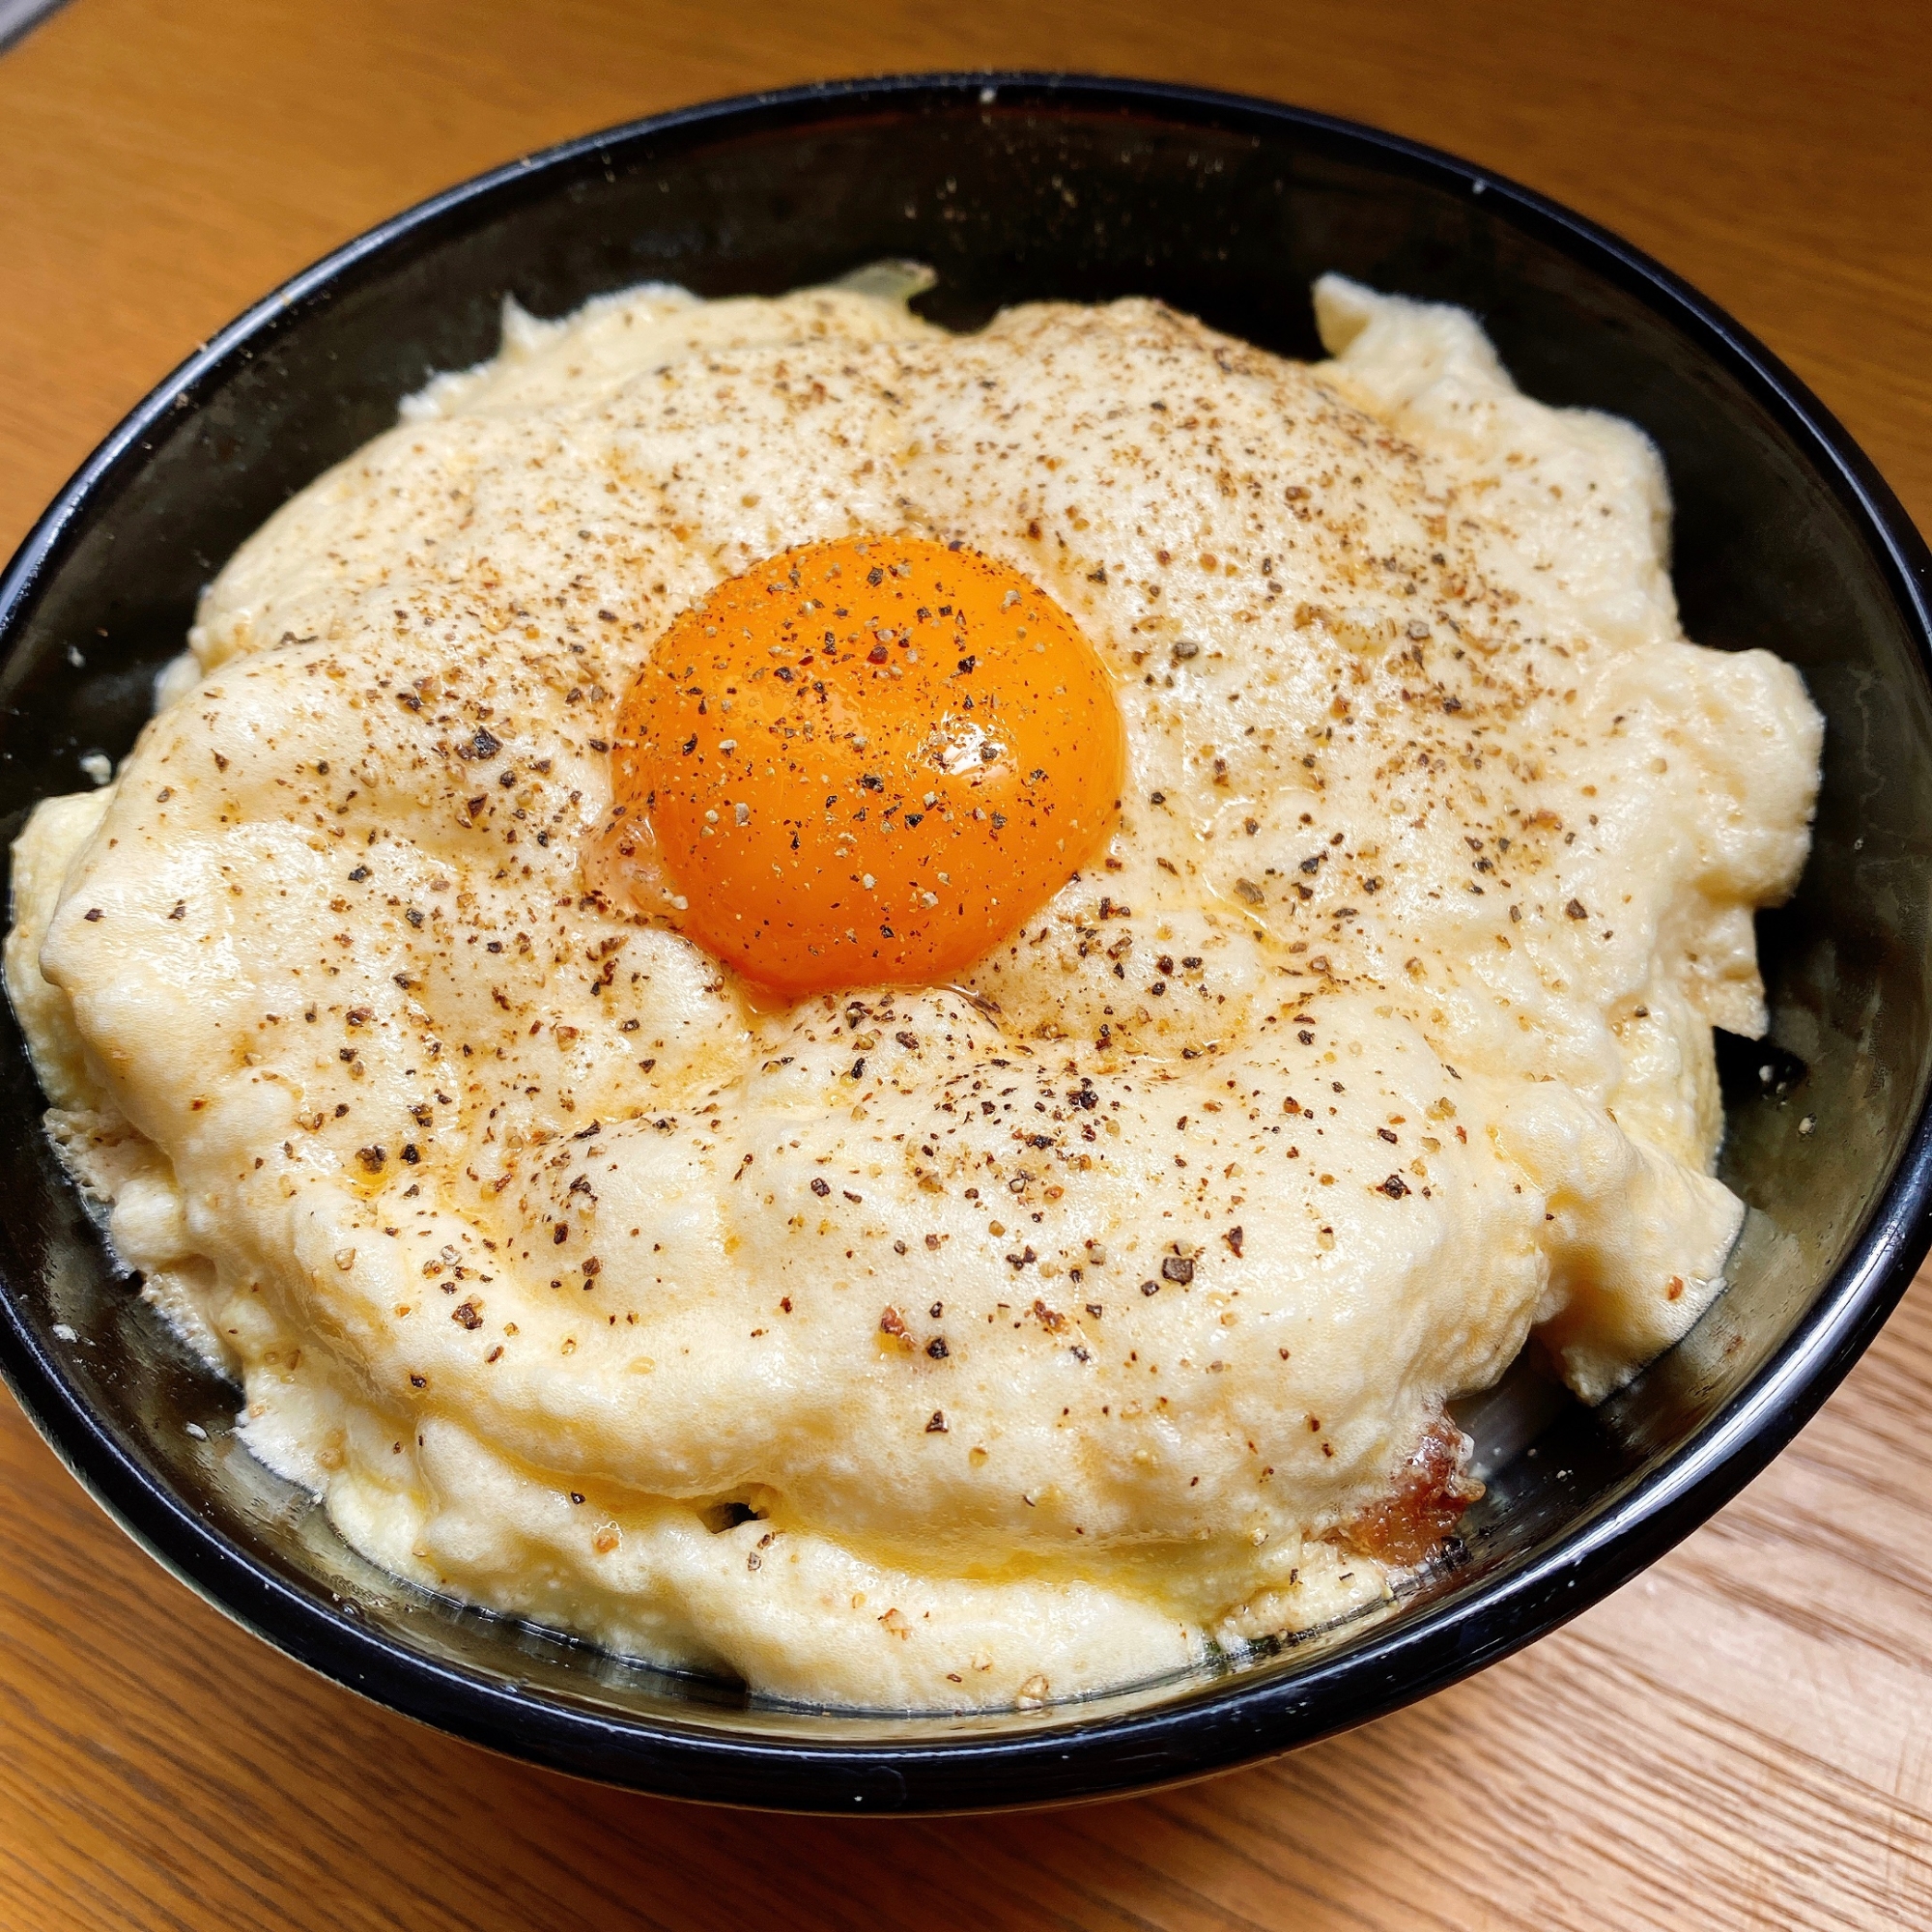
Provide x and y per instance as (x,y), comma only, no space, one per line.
(864,762)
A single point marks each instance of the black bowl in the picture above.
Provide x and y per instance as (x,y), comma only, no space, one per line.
(1019,186)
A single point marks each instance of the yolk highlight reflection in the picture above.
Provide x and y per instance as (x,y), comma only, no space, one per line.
(864,762)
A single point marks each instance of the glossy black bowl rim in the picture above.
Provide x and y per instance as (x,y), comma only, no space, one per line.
(1071,1754)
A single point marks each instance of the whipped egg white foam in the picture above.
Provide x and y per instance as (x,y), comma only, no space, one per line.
(930,1347)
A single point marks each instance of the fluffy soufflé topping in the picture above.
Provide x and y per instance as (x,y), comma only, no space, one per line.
(937,1344)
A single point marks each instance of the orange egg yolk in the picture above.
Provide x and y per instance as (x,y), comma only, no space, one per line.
(864,762)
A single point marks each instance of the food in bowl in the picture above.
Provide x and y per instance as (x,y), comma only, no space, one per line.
(892,1010)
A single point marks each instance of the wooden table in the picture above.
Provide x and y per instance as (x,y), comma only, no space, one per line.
(1742,1738)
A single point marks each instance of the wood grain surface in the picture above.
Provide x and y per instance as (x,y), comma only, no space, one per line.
(1741,1737)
